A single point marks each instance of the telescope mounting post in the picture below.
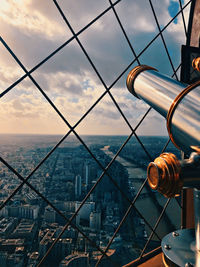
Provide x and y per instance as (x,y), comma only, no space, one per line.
(179,103)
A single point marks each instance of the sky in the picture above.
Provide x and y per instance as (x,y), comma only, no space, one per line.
(33,29)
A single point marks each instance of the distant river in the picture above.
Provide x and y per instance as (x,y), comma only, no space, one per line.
(147,205)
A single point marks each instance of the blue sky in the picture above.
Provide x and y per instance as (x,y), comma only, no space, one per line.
(173,9)
(34,29)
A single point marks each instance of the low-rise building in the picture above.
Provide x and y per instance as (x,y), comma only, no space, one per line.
(7,225)
(26,229)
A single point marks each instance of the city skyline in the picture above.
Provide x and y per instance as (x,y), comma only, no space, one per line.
(34,29)
(69,186)
(75,144)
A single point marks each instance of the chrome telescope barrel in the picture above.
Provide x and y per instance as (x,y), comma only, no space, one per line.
(179,103)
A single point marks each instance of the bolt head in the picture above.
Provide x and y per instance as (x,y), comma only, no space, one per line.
(175,234)
(167,247)
(189,264)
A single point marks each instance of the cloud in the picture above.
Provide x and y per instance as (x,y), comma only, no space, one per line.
(20,15)
(29,113)
(33,29)
(81,14)
(137,16)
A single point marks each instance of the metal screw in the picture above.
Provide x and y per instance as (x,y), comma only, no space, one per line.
(167,246)
(175,234)
(188,264)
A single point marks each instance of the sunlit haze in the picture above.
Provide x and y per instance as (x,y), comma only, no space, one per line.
(33,29)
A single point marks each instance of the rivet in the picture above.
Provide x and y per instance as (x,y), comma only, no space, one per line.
(175,234)
(167,246)
(188,264)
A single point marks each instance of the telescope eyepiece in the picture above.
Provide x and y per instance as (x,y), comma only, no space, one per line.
(164,175)
(154,175)
(168,175)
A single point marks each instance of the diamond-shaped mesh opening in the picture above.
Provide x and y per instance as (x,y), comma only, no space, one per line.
(104,118)
(25,110)
(83,13)
(138,22)
(70,83)
(152,119)
(9,70)
(20,26)
(89,191)
(9,182)
(31,148)
(152,54)
(133,108)
(109,52)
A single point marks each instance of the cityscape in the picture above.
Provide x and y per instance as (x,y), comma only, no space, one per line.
(82,199)
(29,225)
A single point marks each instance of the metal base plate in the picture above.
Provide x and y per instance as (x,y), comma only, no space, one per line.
(179,247)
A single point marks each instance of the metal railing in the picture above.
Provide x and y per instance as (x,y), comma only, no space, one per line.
(107,91)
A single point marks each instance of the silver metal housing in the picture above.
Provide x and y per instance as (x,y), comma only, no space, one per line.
(159,91)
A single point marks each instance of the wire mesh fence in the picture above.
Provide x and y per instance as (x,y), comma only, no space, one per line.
(106,168)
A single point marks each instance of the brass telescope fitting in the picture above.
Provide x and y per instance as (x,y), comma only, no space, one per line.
(168,175)
(178,103)
(172,100)
(196,64)
(132,76)
(164,175)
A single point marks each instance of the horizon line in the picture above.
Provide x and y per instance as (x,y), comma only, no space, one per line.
(43,134)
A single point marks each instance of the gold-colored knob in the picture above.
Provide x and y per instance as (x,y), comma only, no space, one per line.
(196,63)
(163,175)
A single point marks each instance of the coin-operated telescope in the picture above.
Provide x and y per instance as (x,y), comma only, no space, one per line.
(179,104)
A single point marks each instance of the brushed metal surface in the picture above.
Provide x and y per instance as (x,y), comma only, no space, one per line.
(180,248)
(159,91)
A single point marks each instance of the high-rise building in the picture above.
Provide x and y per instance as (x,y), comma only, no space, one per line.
(29,211)
(3,258)
(78,182)
(4,211)
(50,215)
(84,212)
(95,220)
(23,211)
(86,174)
